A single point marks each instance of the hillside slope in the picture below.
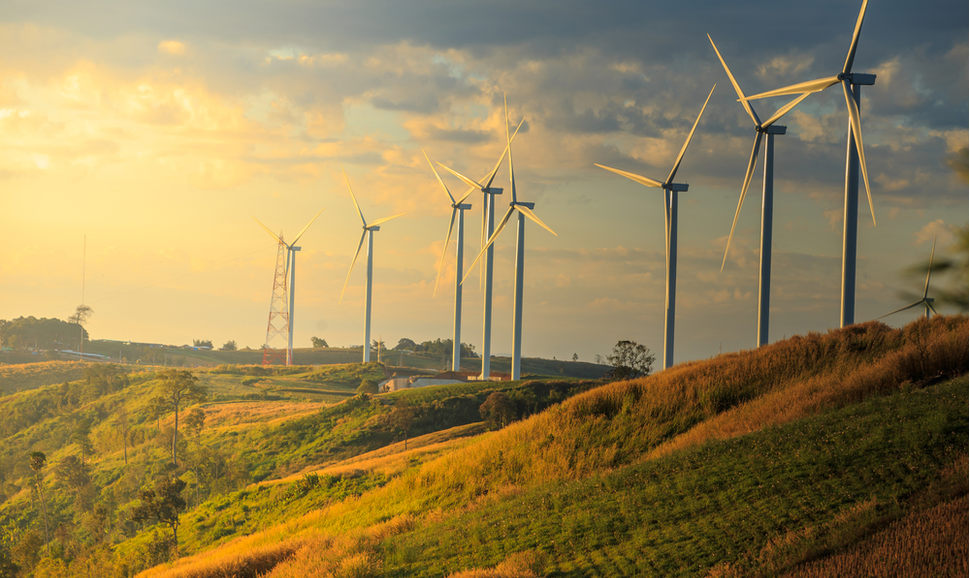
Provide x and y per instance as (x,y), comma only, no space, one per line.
(746,464)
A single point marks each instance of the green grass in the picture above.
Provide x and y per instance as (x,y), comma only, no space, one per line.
(685,514)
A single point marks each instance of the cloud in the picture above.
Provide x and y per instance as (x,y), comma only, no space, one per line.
(173,47)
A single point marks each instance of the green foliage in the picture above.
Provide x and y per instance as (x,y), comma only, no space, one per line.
(206,343)
(229,346)
(368,386)
(40,333)
(498,410)
(318,342)
(162,503)
(630,360)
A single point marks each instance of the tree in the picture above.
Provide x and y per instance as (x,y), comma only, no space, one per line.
(163,503)
(179,386)
(194,420)
(317,342)
(575,357)
(405,344)
(202,343)
(402,416)
(367,386)
(124,426)
(629,360)
(498,410)
(81,435)
(598,358)
(229,346)
(37,462)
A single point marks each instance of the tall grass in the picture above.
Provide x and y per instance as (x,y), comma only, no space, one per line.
(626,422)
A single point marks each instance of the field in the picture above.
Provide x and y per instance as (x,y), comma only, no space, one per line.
(818,455)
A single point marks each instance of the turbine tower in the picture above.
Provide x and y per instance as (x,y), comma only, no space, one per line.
(457,208)
(926,301)
(289,279)
(524,209)
(369,234)
(855,159)
(488,224)
(767,130)
(670,189)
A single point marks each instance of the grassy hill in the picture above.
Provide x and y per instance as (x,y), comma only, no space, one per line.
(334,355)
(814,456)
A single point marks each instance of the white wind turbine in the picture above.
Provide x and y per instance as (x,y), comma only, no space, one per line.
(290,275)
(926,301)
(767,129)
(524,209)
(457,208)
(369,234)
(488,223)
(670,189)
(855,159)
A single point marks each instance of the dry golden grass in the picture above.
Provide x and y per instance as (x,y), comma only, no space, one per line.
(519,565)
(927,544)
(391,460)
(248,412)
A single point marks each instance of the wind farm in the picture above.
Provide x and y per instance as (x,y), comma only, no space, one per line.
(589,398)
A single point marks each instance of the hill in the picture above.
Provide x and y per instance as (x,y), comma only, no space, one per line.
(806,455)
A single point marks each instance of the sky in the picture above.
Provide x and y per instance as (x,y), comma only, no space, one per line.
(139,139)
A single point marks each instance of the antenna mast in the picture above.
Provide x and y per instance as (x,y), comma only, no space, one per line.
(278,327)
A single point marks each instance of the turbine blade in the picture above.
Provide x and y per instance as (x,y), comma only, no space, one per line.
(352,263)
(385,219)
(855,39)
(808,86)
(465,196)
(933,309)
(910,306)
(437,176)
(275,236)
(857,135)
(744,189)
(690,135)
(466,180)
(352,196)
(528,213)
(491,240)
(305,228)
(737,87)
(491,176)
(784,110)
(926,289)
(511,164)
(441,261)
(645,181)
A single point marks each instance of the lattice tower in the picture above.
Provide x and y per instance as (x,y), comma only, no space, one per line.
(277,331)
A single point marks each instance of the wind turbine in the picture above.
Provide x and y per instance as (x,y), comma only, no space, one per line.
(670,189)
(855,159)
(926,301)
(488,224)
(290,274)
(767,129)
(524,209)
(369,233)
(457,208)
